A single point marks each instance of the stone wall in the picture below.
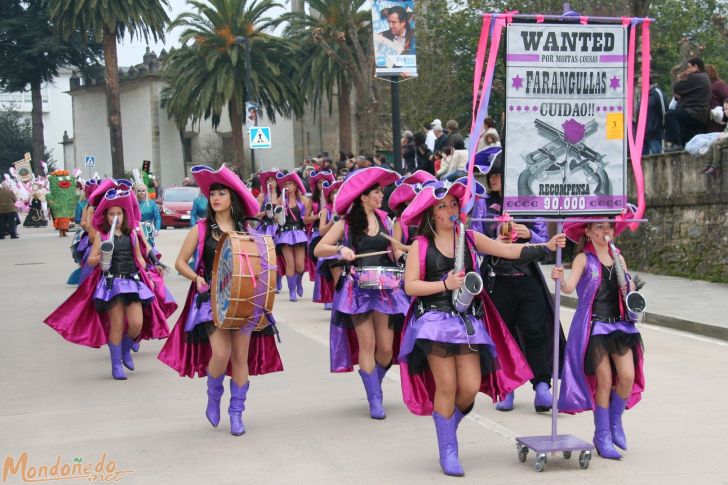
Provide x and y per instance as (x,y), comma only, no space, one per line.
(687,232)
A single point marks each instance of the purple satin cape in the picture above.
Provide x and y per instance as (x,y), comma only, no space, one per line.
(189,359)
(577,389)
(513,371)
(77,320)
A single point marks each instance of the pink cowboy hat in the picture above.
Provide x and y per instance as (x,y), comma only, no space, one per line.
(117,198)
(330,187)
(430,195)
(264,176)
(206,176)
(315,176)
(419,177)
(359,181)
(574,230)
(104,186)
(282,178)
(405,192)
(89,187)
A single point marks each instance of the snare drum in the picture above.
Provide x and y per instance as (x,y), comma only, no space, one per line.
(379,277)
(243,281)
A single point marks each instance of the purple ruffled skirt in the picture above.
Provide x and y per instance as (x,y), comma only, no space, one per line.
(291,237)
(354,300)
(126,289)
(268,230)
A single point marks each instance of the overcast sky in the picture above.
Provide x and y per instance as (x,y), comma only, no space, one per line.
(131,52)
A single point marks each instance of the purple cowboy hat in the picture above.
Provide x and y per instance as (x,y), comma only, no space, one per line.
(315,176)
(206,176)
(117,198)
(419,177)
(264,176)
(428,196)
(282,178)
(330,187)
(575,230)
(402,194)
(358,182)
(484,158)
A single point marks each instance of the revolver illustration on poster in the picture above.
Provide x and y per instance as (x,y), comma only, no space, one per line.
(548,159)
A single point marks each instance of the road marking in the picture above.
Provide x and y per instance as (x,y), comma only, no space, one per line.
(476,418)
(680,333)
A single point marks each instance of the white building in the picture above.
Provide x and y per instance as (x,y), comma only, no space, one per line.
(57,112)
(149,134)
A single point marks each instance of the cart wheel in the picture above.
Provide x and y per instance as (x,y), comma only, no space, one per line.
(584,459)
(540,462)
(522,453)
(567,455)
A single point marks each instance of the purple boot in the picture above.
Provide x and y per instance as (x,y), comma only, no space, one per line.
(291,280)
(126,345)
(447,442)
(117,370)
(299,284)
(135,346)
(279,283)
(507,403)
(328,306)
(237,406)
(542,401)
(215,390)
(603,436)
(381,371)
(373,389)
(616,408)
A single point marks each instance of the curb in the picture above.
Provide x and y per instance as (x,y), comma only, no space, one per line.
(704,329)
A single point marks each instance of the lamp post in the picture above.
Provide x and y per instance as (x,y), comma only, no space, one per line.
(243,41)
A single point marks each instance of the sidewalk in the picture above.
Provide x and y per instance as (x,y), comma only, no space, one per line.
(689,305)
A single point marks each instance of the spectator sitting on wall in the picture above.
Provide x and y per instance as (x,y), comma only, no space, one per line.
(692,113)
(718,92)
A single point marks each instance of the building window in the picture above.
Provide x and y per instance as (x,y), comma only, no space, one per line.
(187,150)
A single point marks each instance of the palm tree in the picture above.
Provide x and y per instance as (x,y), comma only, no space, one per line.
(109,21)
(207,74)
(342,35)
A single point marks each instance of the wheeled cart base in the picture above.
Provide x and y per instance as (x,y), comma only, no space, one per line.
(543,445)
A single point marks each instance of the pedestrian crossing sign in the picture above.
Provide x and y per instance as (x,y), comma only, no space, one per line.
(259,137)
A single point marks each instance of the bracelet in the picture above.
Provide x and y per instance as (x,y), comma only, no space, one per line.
(339,247)
(445,285)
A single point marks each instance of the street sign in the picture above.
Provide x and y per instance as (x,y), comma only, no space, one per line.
(259,137)
(90,161)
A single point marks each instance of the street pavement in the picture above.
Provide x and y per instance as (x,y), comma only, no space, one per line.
(306,425)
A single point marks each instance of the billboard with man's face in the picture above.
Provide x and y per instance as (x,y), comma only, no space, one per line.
(393,23)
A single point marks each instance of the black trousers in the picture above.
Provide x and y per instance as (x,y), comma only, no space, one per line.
(680,127)
(9,224)
(525,311)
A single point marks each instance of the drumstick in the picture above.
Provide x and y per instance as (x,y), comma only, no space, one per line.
(398,244)
(364,255)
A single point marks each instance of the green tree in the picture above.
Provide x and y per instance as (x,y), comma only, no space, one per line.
(16,138)
(108,22)
(207,74)
(30,55)
(341,31)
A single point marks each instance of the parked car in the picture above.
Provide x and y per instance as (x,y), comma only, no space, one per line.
(176,205)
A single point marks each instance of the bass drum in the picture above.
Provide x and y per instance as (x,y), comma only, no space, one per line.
(243,281)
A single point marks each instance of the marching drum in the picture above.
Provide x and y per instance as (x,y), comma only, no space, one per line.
(243,281)
(379,277)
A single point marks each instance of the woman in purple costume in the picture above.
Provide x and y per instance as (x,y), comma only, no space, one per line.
(267,200)
(448,356)
(115,305)
(366,311)
(292,237)
(326,276)
(603,369)
(196,345)
(313,222)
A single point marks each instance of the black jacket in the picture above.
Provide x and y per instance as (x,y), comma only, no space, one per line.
(694,92)
(656,109)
